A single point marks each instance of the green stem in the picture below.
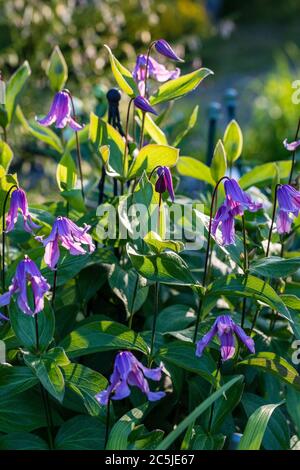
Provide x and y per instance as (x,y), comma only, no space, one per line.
(245,269)
(54,287)
(107,422)
(273,218)
(207,253)
(294,153)
(3,233)
(133,301)
(211,391)
(154,321)
(125,159)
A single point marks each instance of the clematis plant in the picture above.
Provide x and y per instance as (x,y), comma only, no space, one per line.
(18,202)
(236,202)
(155,71)
(289,207)
(27,271)
(164,48)
(225,328)
(70,236)
(143,104)
(164,182)
(60,113)
(292,146)
(128,371)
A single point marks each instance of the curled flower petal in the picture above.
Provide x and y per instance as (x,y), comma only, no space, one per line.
(164,182)
(164,48)
(143,104)
(60,113)
(128,371)
(18,202)
(292,146)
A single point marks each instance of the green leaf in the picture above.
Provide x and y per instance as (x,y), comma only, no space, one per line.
(188,166)
(256,427)
(293,304)
(6,155)
(265,174)
(118,437)
(102,336)
(277,436)
(203,441)
(24,327)
(158,245)
(152,129)
(225,405)
(275,365)
(275,267)
(175,318)
(24,414)
(49,375)
(74,198)
(218,164)
(15,87)
(179,87)
(85,383)
(81,433)
(188,127)
(182,355)
(233,141)
(129,287)
(22,441)
(14,380)
(109,143)
(151,156)
(238,285)
(167,268)
(66,174)
(293,407)
(165,444)
(42,133)
(122,75)
(57,70)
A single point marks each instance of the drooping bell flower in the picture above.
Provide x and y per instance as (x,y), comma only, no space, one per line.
(289,207)
(143,104)
(128,371)
(70,236)
(156,71)
(18,202)
(226,329)
(164,48)
(60,113)
(164,182)
(236,202)
(292,146)
(27,272)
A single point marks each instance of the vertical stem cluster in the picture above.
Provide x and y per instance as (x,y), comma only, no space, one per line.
(207,252)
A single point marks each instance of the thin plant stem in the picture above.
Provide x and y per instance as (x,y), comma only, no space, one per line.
(154,321)
(272,222)
(4,134)
(142,131)
(4,234)
(107,422)
(211,391)
(54,287)
(133,301)
(78,151)
(245,269)
(43,392)
(294,153)
(146,92)
(125,156)
(207,253)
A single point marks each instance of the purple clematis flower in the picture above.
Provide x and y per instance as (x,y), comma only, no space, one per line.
(289,207)
(26,271)
(164,48)
(19,201)
(225,328)
(70,236)
(143,104)
(164,182)
(156,71)
(292,146)
(60,113)
(128,371)
(236,202)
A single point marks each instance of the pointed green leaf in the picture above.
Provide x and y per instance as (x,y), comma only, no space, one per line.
(57,70)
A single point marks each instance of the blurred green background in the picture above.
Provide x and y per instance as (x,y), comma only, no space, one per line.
(251,46)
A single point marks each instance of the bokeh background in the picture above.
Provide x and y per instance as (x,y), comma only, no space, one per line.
(252,47)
